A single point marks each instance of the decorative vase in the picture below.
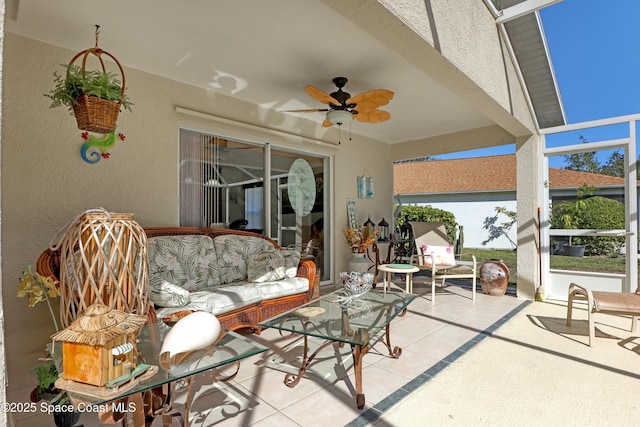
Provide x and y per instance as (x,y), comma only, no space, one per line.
(494,277)
(103,260)
(358,262)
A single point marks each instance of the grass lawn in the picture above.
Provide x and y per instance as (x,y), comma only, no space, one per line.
(602,264)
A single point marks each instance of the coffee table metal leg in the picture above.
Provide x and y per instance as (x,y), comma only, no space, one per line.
(394,352)
(358,352)
(137,418)
(291,380)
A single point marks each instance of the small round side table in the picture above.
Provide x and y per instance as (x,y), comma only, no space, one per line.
(389,269)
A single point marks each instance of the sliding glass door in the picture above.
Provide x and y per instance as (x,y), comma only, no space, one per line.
(299,204)
(258,187)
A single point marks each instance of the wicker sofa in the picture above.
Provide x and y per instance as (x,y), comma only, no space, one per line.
(218,280)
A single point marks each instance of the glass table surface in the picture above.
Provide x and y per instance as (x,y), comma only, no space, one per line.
(337,317)
(230,347)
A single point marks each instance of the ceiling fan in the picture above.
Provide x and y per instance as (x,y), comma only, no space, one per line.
(342,107)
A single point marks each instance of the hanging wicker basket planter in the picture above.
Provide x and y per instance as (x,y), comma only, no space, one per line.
(93,113)
(95,97)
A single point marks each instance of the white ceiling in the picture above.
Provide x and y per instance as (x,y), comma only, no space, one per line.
(260,51)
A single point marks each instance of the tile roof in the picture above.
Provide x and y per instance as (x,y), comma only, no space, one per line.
(493,173)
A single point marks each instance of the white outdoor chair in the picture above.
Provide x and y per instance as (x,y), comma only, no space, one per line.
(440,260)
(615,303)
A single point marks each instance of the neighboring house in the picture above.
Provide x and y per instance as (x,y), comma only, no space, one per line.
(472,188)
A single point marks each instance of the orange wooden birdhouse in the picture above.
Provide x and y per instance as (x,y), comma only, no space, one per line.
(100,345)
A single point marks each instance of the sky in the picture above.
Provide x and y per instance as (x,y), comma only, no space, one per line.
(595,52)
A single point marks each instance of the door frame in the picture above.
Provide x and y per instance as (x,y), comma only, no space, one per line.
(555,282)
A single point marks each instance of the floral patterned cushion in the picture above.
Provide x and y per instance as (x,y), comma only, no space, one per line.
(220,300)
(266,267)
(165,294)
(291,261)
(183,261)
(442,255)
(234,251)
(284,287)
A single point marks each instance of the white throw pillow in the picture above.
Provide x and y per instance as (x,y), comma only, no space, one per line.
(443,256)
(266,267)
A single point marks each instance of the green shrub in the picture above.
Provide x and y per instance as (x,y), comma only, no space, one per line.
(429,214)
(595,212)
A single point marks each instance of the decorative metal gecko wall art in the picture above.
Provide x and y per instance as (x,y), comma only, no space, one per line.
(95,149)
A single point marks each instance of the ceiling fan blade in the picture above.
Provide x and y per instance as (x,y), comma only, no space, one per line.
(371,99)
(326,123)
(321,95)
(373,116)
(312,110)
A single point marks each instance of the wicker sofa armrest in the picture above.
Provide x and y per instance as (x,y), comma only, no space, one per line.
(48,264)
(307,269)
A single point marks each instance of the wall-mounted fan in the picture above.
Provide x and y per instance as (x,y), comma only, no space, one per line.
(342,107)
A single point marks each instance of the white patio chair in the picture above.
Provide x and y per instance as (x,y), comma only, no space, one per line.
(436,256)
(614,303)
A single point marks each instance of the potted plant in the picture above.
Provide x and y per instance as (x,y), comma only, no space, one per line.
(359,240)
(569,215)
(94,97)
(46,390)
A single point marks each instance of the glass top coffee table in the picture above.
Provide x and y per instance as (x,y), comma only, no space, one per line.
(338,319)
(158,383)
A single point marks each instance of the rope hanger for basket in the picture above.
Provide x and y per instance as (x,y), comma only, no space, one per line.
(97,52)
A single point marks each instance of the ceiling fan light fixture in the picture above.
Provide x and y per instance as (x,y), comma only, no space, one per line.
(339,117)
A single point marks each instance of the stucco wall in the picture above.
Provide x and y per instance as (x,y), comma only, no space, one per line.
(46,184)
(3,365)
(463,51)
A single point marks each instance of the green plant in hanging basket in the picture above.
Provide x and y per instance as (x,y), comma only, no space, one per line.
(102,84)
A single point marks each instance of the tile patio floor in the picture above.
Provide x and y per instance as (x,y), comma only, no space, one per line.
(431,337)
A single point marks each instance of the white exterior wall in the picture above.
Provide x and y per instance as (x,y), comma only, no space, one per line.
(470,211)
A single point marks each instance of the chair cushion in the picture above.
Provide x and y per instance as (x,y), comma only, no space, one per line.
(183,260)
(280,288)
(443,256)
(234,251)
(220,299)
(616,301)
(266,267)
